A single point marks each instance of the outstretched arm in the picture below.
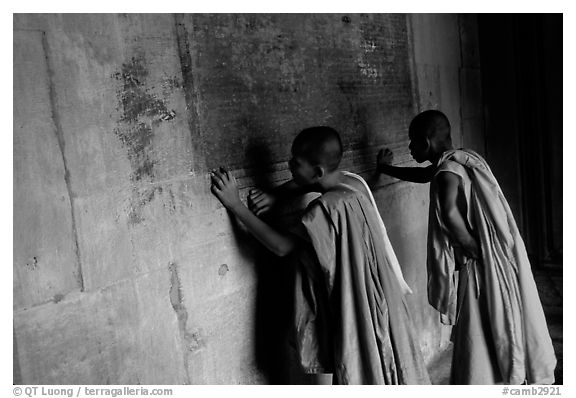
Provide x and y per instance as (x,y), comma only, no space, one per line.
(452,216)
(260,202)
(224,187)
(413,174)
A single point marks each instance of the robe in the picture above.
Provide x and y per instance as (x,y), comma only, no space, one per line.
(500,333)
(351,317)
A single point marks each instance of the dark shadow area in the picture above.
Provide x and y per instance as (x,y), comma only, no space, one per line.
(259,159)
(521,65)
(275,283)
(274,290)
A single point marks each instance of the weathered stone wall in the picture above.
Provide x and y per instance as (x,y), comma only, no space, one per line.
(126,268)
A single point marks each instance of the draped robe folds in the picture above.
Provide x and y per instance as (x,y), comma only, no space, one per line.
(351,317)
(500,332)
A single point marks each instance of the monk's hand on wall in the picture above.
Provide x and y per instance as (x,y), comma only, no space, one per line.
(260,202)
(385,157)
(225,188)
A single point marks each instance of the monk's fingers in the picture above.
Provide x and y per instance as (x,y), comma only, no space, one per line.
(253,206)
(261,199)
(258,208)
(262,210)
(253,209)
(384,152)
(215,190)
(217,180)
(223,177)
(232,178)
(226,175)
(255,193)
(259,202)
(219,172)
(385,155)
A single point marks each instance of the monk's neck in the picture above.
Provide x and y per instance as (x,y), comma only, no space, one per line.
(330,180)
(438,152)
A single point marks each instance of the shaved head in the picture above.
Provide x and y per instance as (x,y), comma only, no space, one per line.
(431,124)
(320,146)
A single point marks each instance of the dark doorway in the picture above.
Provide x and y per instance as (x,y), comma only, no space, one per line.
(521,63)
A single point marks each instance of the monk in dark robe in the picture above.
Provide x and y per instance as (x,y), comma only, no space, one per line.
(351,317)
(479,276)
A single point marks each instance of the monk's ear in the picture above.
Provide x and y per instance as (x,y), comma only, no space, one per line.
(428,143)
(319,171)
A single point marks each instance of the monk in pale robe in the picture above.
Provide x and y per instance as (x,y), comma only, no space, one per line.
(351,317)
(479,276)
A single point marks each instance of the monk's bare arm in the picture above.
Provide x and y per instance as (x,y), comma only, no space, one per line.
(448,194)
(384,160)
(420,175)
(261,202)
(225,189)
(281,244)
(288,188)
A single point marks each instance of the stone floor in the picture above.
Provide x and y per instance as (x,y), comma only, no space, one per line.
(549,281)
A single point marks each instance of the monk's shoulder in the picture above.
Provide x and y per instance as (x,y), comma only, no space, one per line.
(329,202)
(354,182)
(450,166)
